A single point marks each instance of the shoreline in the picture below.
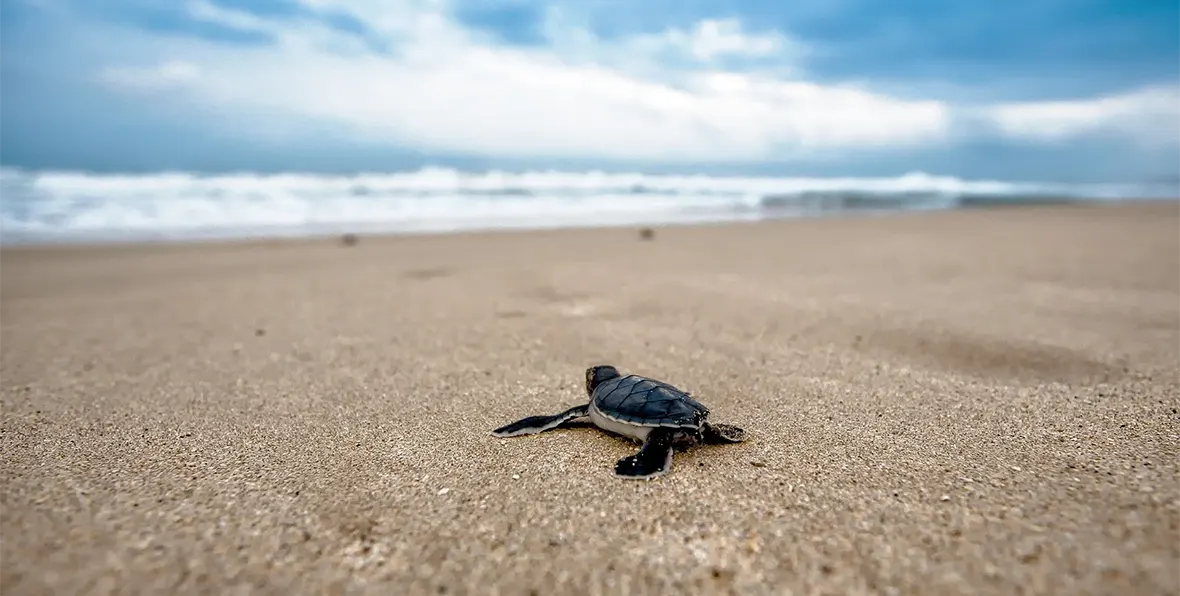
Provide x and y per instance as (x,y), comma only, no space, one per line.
(278,237)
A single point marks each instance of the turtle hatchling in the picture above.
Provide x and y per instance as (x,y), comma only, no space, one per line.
(656,414)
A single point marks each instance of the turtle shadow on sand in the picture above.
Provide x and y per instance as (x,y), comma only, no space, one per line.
(659,416)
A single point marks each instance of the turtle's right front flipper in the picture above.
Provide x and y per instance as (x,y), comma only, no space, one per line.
(654,458)
(539,424)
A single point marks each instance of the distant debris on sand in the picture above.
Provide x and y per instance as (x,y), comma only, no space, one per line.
(349,239)
(647,234)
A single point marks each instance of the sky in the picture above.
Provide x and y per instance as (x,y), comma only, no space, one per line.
(1061,90)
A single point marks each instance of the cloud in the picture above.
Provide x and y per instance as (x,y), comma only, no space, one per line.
(166,75)
(711,38)
(202,10)
(705,42)
(1150,115)
(443,87)
(348,85)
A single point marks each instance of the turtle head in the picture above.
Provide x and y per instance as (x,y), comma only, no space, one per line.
(596,375)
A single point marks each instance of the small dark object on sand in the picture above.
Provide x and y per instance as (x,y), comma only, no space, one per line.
(349,239)
(647,234)
(651,412)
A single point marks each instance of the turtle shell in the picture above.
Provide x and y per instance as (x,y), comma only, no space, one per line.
(639,400)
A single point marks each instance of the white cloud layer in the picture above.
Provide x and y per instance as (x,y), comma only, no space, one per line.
(1149,115)
(678,95)
(442,87)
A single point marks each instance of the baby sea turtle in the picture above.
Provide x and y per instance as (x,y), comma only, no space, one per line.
(652,412)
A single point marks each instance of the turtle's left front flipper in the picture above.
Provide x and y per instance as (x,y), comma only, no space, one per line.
(654,458)
(539,424)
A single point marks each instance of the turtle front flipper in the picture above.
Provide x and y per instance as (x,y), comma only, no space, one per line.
(722,433)
(539,424)
(654,458)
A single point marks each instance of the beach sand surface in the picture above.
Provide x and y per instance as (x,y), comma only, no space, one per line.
(972,402)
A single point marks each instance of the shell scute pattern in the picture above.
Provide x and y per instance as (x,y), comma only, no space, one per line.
(643,401)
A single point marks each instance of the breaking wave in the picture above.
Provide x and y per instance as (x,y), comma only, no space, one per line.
(52,206)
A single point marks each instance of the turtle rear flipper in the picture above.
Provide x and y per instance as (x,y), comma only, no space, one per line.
(653,459)
(539,424)
(722,433)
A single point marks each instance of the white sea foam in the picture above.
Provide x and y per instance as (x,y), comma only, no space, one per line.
(65,206)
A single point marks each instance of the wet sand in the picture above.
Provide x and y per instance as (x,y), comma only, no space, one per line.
(942,403)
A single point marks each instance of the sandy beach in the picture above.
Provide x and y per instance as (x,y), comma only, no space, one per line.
(972,402)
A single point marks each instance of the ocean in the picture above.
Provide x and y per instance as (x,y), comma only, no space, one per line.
(67,207)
